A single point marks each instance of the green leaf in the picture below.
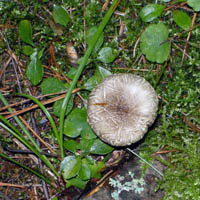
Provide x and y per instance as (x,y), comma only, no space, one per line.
(85,144)
(100,74)
(70,145)
(182,19)
(90,34)
(34,70)
(107,55)
(195,4)
(60,15)
(70,166)
(77,182)
(52,85)
(58,105)
(85,172)
(25,31)
(76,123)
(151,12)
(28,50)
(100,148)
(72,72)
(154,44)
(95,169)
(87,133)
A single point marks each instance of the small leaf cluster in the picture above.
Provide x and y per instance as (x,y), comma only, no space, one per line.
(79,166)
(154,40)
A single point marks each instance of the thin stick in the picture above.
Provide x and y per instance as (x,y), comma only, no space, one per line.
(188,38)
(160,173)
(37,136)
(36,106)
(11,185)
(39,97)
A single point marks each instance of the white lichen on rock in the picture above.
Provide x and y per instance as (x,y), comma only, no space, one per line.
(121,108)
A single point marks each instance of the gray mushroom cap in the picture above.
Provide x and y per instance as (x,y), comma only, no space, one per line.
(121,108)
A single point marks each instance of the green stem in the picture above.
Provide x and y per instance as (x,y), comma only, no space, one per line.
(81,67)
(12,130)
(53,125)
(30,170)
(19,122)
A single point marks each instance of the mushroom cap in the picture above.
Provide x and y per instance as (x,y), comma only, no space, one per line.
(121,108)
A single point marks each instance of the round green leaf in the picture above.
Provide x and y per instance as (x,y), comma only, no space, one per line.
(153,43)
(182,19)
(107,55)
(52,85)
(84,172)
(100,148)
(60,15)
(70,145)
(70,166)
(151,11)
(89,34)
(76,123)
(25,31)
(195,4)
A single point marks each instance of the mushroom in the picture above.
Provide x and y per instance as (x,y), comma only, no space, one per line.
(121,108)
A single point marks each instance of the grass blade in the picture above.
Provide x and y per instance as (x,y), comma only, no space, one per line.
(29,169)
(81,67)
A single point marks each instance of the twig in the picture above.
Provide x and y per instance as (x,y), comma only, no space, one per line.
(37,136)
(39,97)
(11,185)
(160,173)
(36,106)
(135,46)
(13,62)
(44,185)
(131,69)
(188,38)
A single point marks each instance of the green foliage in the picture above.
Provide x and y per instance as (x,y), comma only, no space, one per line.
(25,31)
(161,40)
(107,55)
(60,15)
(52,85)
(90,34)
(76,123)
(153,43)
(57,106)
(182,19)
(151,12)
(195,4)
(100,74)
(35,70)
(70,166)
